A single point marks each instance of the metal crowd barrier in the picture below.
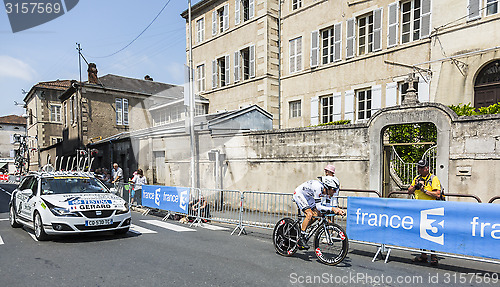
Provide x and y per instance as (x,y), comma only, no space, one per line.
(447,195)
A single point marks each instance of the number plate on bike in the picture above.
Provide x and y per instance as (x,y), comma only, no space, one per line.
(98,222)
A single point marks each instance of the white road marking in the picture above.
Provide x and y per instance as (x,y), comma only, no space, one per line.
(140,230)
(1,240)
(212,227)
(30,232)
(4,219)
(170,226)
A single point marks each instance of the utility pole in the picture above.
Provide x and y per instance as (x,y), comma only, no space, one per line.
(79,49)
(191,101)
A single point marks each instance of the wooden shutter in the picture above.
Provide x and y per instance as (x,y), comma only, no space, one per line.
(125,111)
(226,17)
(425,19)
(237,65)
(349,106)
(314,111)
(376,98)
(473,10)
(337,106)
(252,61)
(423,90)
(338,41)
(214,74)
(392,33)
(377,30)
(314,48)
(351,38)
(291,61)
(391,94)
(236,12)
(251,9)
(214,23)
(227,72)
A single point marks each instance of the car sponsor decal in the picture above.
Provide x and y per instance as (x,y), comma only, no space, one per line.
(43,205)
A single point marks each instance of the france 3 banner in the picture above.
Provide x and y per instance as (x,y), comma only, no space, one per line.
(455,227)
(166,198)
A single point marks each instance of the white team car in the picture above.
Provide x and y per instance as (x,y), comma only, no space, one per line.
(66,203)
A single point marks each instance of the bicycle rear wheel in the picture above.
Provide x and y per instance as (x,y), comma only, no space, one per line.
(285,237)
(331,244)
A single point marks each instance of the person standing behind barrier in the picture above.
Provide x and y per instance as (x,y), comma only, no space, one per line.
(425,186)
(117,178)
(203,207)
(139,180)
(330,170)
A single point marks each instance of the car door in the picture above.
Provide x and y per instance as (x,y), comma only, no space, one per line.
(22,197)
(32,199)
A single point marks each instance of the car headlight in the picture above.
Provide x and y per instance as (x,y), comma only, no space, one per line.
(125,209)
(60,211)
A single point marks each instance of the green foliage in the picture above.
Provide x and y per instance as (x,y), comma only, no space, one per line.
(412,133)
(341,122)
(468,110)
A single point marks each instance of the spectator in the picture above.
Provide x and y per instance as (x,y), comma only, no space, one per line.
(203,207)
(330,170)
(139,180)
(116,174)
(425,186)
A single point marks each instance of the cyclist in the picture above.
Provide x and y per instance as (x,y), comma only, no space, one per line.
(308,197)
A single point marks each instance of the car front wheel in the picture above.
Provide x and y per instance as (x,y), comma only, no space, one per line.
(39,231)
(12,217)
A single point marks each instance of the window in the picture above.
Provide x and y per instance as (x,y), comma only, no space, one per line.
(244,64)
(491,7)
(54,140)
(220,20)
(121,108)
(327,109)
(244,10)
(365,35)
(220,72)
(331,44)
(296,4)
(55,113)
(200,109)
(200,78)
(295,109)
(65,108)
(200,30)
(364,104)
(295,54)
(410,18)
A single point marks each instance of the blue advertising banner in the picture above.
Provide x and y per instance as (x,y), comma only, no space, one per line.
(166,198)
(455,227)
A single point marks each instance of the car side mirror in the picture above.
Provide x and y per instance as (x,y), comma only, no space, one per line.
(27,192)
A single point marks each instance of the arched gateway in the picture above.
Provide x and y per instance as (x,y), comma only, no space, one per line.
(441,116)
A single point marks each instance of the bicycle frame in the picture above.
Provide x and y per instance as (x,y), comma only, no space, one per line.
(318,224)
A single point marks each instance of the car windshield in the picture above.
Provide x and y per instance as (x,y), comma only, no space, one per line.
(61,185)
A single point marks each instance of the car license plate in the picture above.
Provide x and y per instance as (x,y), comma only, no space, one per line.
(98,222)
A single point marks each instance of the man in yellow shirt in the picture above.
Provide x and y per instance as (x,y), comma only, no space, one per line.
(425,186)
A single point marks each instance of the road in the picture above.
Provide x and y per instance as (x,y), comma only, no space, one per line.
(156,253)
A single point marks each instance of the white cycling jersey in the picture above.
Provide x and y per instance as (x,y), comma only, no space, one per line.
(310,195)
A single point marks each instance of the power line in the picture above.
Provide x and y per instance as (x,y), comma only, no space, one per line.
(126,46)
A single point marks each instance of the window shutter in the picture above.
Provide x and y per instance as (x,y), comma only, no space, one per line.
(392,33)
(252,61)
(299,54)
(237,65)
(226,17)
(292,56)
(314,48)
(118,109)
(337,106)
(236,12)
(251,8)
(351,36)
(377,30)
(214,23)
(227,68)
(473,10)
(314,111)
(423,90)
(425,19)
(338,41)
(391,94)
(125,111)
(376,98)
(349,106)
(214,74)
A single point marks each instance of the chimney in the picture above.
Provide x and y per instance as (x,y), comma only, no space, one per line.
(92,73)
(148,78)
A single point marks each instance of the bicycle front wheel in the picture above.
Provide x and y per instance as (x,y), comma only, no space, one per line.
(285,237)
(331,244)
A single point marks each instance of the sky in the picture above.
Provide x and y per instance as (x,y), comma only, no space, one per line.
(102,27)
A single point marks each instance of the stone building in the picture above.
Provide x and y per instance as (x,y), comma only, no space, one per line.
(318,61)
(44,118)
(9,126)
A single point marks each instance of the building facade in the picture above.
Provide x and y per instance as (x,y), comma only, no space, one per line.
(9,126)
(345,60)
